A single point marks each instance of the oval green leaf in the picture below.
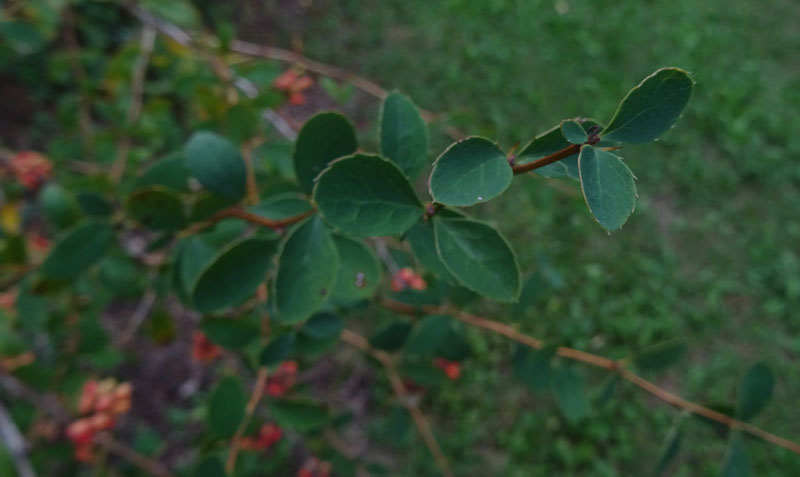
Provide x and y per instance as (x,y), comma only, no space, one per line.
(307,270)
(438,336)
(423,244)
(651,108)
(59,205)
(323,326)
(323,138)
(170,172)
(573,132)
(226,408)
(478,257)
(570,393)
(469,172)
(277,350)
(281,206)
(157,208)
(391,336)
(233,275)
(78,249)
(231,333)
(217,164)
(191,255)
(756,391)
(608,187)
(367,196)
(359,270)
(403,134)
(300,415)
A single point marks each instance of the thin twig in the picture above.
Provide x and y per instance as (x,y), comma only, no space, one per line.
(400,390)
(84,108)
(139,315)
(280,54)
(15,444)
(263,221)
(146,45)
(252,403)
(598,361)
(152,467)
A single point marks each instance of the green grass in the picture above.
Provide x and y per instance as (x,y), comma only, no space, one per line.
(710,254)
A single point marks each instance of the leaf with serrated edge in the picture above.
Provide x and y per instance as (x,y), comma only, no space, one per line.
(478,257)
(307,269)
(323,138)
(608,187)
(403,134)
(470,171)
(366,196)
(573,132)
(651,108)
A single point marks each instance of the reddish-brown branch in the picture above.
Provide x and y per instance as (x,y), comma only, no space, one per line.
(598,361)
(546,160)
(262,221)
(400,390)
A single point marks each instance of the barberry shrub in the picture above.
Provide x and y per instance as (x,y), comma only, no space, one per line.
(274,259)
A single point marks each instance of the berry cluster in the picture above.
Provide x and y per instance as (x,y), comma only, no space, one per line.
(282,379)
(268,436)
(101,402)
(204,350)
(30,168)
(293,84)
(313,467)
(407,278)
(451,368)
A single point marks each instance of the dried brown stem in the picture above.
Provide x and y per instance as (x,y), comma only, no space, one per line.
(400,390)
(600,362)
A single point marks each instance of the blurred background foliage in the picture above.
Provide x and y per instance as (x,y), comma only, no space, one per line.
(710,255)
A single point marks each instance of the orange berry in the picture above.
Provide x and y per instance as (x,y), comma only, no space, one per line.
(80,431)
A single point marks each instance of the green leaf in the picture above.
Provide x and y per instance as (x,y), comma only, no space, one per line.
(191,255)
(181,12)
(359,270)
(533,368)
(391,336)
(570,393)
(78,249)
(157,208)
(423,244)
(470,171)
(277,350)
(323,138)
(323,326)
(608,187)
(94,204)
(573,132)
(231,333)
(660,356)
(217,164)
(670,447)
(281,206)
(438,336)
(170,172)
(736,462)
(366,196)
(300,415)
(756,391)
(233,274)
(226,408)
(404,136)
(478,257)
(651,108)
(210,467)
(307,270)
(58,205)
